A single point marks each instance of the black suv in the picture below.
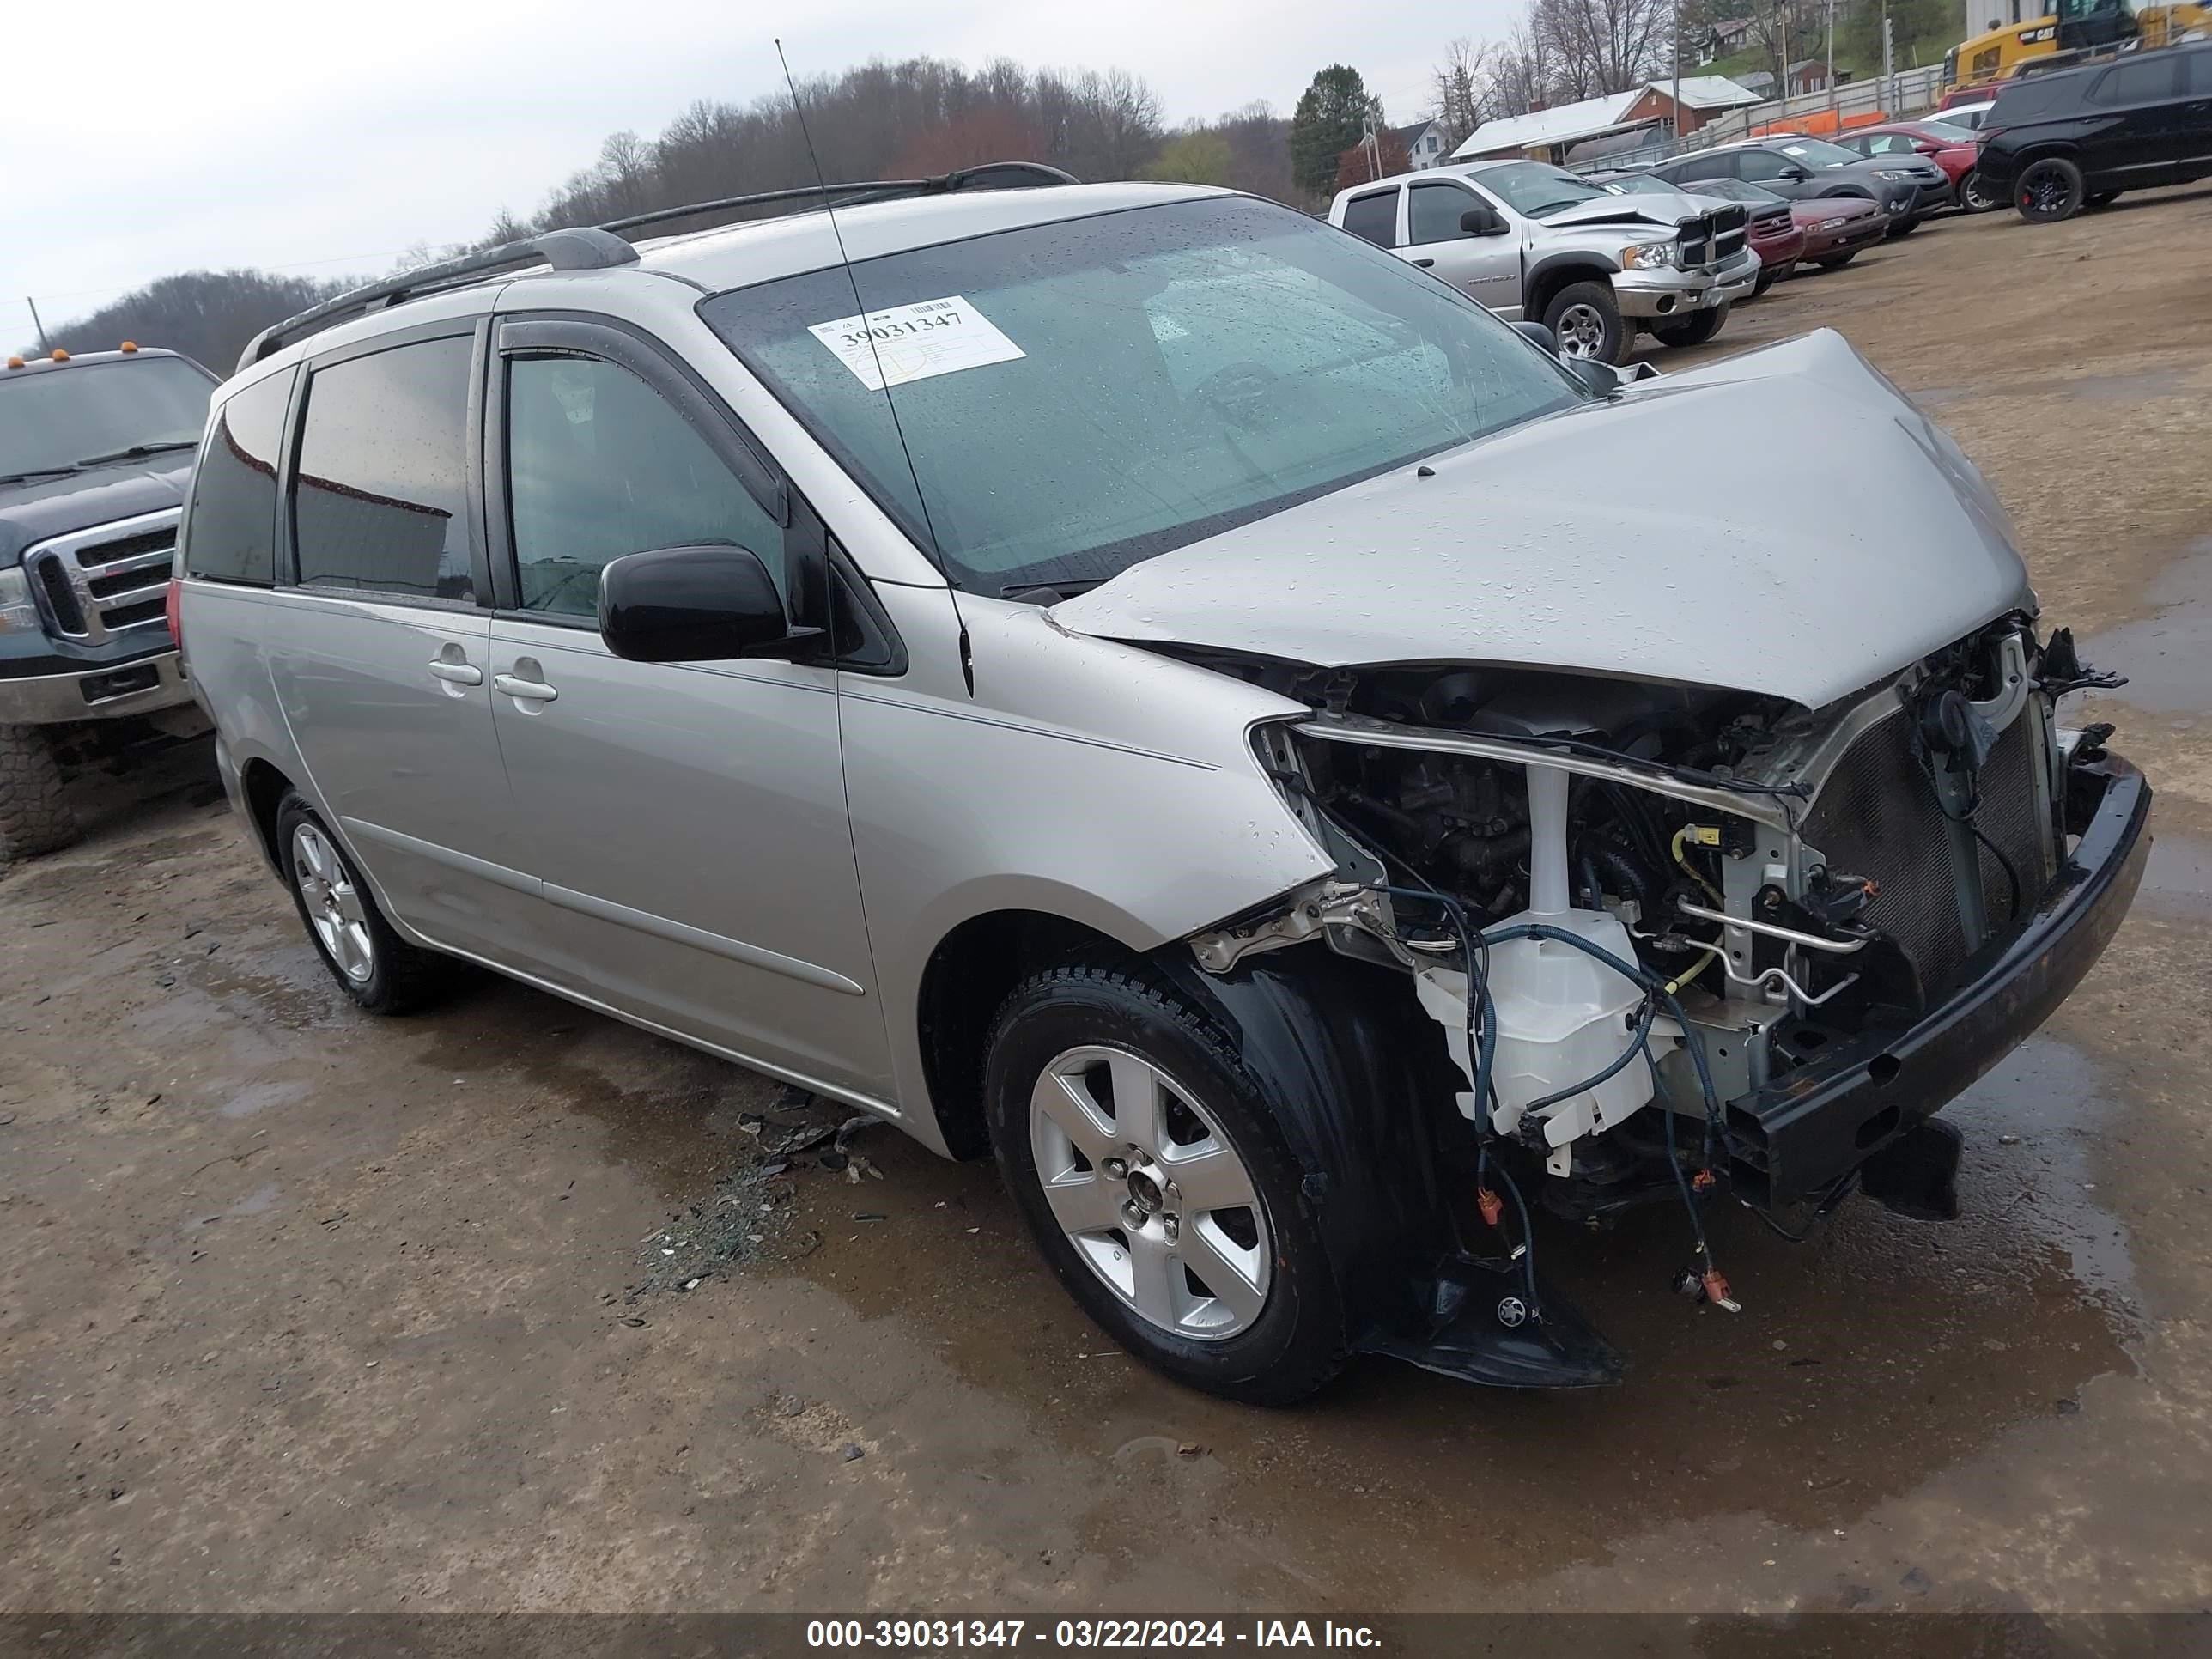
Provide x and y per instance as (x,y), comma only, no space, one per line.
(2059,143)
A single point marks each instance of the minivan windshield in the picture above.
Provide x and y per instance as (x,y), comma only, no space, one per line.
(59,420)
(1079,396)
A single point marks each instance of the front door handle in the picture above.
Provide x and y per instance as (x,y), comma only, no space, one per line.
(1425,264)
(528,690)
(457,673)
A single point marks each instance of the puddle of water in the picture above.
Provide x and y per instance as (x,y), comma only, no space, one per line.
(288,987)
(2177,879)
(1879,1353)
(2167,658)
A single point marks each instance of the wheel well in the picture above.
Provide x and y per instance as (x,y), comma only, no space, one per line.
(264,787)
(969,973)
(1551,280)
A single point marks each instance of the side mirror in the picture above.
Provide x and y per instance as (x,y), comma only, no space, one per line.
(1796,175)
(694,604)
(1601,378)
(1543,336)
(1483,220)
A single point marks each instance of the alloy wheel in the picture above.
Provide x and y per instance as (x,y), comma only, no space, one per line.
(1152,1192)
(333,904)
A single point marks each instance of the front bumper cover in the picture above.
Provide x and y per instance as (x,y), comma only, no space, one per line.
(1803,1135)
(141,686)
(1663,293)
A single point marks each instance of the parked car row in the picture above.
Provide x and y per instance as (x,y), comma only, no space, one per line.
(1668,249)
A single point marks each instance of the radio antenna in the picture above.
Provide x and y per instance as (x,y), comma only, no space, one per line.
(936,554)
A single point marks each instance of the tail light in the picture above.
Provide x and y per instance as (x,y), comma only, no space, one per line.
(173,608)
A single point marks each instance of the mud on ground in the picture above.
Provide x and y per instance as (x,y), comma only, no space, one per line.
(302,1310)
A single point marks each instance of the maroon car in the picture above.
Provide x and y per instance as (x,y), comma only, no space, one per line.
(1771,232)
(1836,227)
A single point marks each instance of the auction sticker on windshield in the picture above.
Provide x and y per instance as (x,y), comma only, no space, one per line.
(913,343)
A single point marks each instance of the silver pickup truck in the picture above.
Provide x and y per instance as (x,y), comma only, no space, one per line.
(1536,243)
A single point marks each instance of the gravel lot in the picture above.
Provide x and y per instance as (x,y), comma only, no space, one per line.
(301,1310)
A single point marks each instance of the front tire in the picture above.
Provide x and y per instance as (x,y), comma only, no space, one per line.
(1977,197)
(2049,191)
(1768,277)
(1837,261)
(371,962)
(34,818)
(1150,1170)
(1696,329)
(1902,228)
(1585,318)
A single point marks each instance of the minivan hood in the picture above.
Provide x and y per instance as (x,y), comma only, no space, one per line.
(1844,537)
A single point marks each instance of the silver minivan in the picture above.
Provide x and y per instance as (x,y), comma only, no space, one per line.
(1133,680)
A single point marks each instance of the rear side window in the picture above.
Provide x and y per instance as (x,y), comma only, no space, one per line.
(381,496)
(2026,100)
(230,535)
(1374,217)
(1703,167)
(2140,82)
(2196,72)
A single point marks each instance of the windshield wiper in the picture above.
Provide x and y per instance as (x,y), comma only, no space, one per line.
(36,472)
(139,451)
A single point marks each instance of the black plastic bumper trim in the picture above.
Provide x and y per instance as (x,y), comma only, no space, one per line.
(1800,1136)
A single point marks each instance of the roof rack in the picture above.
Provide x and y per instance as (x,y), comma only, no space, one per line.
(601,247)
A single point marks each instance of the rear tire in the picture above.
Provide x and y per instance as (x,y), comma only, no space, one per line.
(1585,318)
(1116,1111)
(1693,330)
(33,816)
(2049,191)
(372,964)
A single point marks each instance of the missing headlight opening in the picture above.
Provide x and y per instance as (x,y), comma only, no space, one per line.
(1652,923)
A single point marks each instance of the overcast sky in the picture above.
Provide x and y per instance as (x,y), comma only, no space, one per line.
(326,139)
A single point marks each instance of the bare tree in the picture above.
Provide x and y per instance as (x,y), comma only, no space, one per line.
(1520,77)
(1457,85)
(1603,46)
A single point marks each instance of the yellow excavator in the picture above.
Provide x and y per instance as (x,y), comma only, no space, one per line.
(2077,26)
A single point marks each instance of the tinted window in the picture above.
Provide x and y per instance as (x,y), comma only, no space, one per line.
(599,465)
(1433,213)
(1374,217)
(230,534)
(2024,100)
(1703,167)
(380,501)
(1131,383)
(2139,82)
(1756,164)
(2197,71)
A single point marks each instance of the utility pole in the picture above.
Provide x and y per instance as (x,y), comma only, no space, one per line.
(1889,65)
(1834,105)
(1675,30)
(36,323)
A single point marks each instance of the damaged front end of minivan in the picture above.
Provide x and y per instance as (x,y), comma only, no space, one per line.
(1615,944)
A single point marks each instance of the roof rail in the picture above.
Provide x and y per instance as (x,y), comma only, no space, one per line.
(597,247)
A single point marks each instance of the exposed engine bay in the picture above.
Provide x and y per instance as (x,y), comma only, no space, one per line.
(1646,917)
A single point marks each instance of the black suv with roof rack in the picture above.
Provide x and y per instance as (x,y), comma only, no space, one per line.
(2058,144)
(95,453)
